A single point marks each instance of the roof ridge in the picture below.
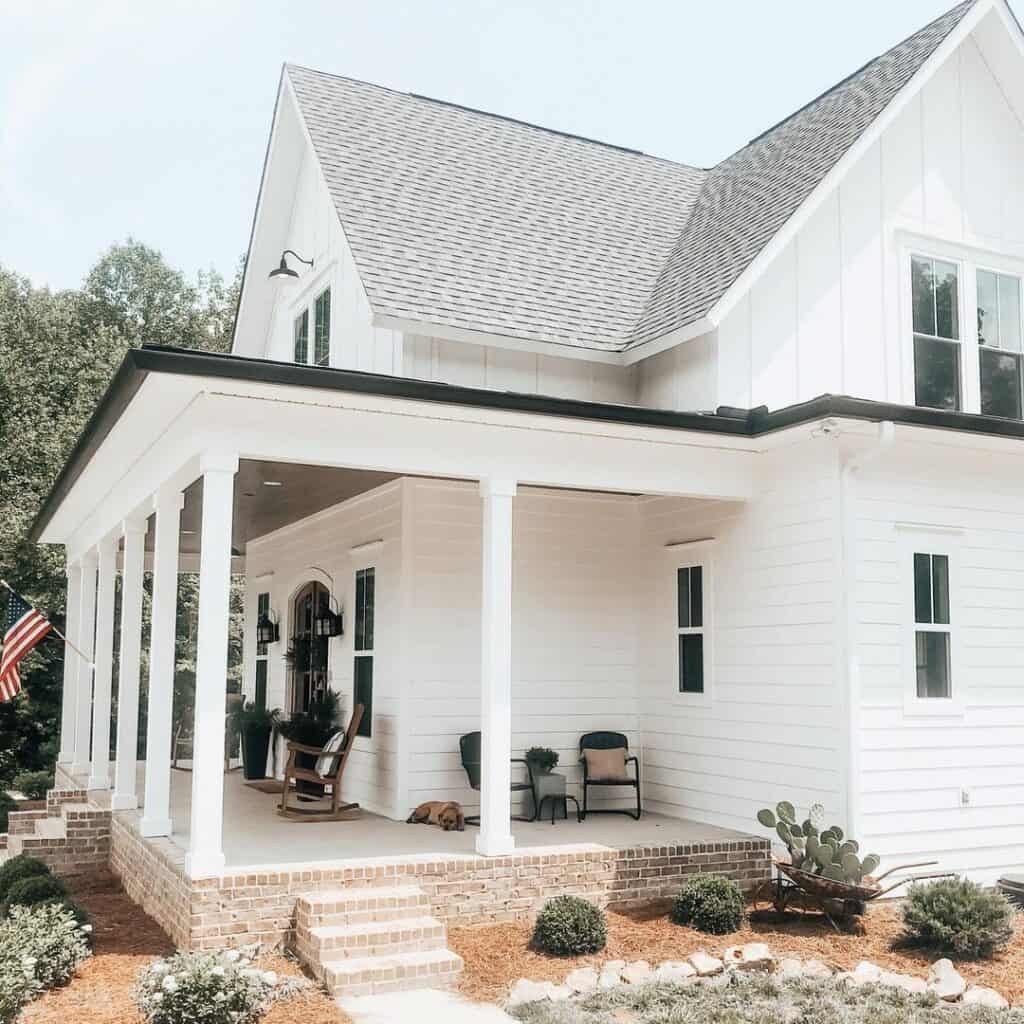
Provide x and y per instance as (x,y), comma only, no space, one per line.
(632,151)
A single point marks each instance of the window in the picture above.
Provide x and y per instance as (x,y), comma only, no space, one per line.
(362,670)
(935,301)
(932,632)
(262,612)
(319,353)
(307,653)
(999,343)
(690,627)
(301,333)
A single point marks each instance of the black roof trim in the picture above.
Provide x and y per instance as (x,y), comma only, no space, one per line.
(752,423)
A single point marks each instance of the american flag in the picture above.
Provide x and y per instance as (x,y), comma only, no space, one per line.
(24,627)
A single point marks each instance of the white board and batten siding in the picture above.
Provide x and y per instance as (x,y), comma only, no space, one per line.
(768,727)
(282,563)
(948,786)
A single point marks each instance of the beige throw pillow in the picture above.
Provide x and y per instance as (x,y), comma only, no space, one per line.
(605,765)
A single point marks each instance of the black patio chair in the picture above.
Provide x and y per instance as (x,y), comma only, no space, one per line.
(469,749)
(610,741)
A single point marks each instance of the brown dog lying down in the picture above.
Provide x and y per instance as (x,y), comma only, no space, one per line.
(447,815)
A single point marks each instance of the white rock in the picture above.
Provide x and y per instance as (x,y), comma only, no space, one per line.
(906,982)
(582,980)
(816,969)
(978,996)
(614,965)
(756,956)
(559,993)
(945,981)
(789,967)
(675,970)
(638,973)
(526,991)
(610,977)
(866,972)
(706,965)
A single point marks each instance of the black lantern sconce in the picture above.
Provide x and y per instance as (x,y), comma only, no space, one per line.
(328,621)
(267,630)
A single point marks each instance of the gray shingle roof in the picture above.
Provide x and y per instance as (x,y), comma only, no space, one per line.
(468,220)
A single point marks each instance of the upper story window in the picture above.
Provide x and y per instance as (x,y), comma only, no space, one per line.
(935,298)
(999,343)
(319,353)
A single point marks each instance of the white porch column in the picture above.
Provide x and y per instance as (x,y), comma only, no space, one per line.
(206,854)
(132,568)
(86,641)
(496,669)
(156,812)
(69,700)
(99,777)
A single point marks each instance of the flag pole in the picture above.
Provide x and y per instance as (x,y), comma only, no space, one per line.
(87,660)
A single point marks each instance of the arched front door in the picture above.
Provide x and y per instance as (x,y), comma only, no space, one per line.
(309,652)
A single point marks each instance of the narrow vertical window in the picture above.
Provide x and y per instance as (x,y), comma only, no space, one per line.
(999,344)
(932,627)
(935,298)
(362,673)
(690,627)
(301,334)
(260,693)
(322,329)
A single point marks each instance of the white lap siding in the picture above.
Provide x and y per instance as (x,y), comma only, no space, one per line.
(770,727)
(913,768)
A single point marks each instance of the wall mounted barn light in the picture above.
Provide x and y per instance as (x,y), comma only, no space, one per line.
(282,272)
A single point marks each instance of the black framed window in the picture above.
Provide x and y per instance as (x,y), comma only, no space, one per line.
(300,334)
(932,632)
(690,627)
(935,301)
(322,329)
(999,343)
(262,612)
(362,669)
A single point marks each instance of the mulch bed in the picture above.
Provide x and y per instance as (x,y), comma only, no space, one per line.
(126,939)
(498,955)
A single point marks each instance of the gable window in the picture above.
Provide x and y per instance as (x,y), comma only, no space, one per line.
(362,669)
(319,352)
(935,300)
(690,627)
(999,343)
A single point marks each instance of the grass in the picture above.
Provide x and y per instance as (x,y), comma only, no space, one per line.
(760,999)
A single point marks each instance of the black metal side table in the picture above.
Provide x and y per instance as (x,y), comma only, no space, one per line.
(551,787)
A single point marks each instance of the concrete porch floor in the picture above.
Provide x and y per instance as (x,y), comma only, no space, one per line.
(255,835)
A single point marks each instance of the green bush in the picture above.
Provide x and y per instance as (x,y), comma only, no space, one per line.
(709,903)
(26,892)
(17,868)
(957,916)
(7,804)
(33,785)
(568,925)
(73,907)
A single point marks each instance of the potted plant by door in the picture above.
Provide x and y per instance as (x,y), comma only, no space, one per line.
(255,725)
(312,728)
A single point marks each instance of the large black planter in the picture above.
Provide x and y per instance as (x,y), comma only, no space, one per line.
(255,747)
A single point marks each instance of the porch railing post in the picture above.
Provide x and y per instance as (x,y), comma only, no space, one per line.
(496,669)
(99,776)
(206,855)
(156,813)
(86,643)
(69,696)
(132,568)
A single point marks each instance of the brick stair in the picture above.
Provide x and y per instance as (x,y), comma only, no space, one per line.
(364,941)
(71,835)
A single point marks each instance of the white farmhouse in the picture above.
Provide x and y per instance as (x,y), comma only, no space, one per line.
(574,438)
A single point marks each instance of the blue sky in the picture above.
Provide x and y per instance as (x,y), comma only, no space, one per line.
(151,119)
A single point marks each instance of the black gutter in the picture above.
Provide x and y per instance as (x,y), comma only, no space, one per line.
(748,423)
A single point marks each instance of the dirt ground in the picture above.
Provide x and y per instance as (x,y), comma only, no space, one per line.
(125,941)
(498,955)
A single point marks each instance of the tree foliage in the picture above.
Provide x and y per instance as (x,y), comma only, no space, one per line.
(58,352)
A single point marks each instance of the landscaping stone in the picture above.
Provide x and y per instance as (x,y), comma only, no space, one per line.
(976,995)
(526,991)
(866,972)
(611,974)
(559,993)
(754,956)
(945,981)
(906,982)
(583,980)
(706,965)
(816,969)
(789,967)
(677,971)
(638,973)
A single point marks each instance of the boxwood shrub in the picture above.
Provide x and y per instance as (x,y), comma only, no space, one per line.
(709,903)
(17,868)
(568,926)
(957,916)
(33,785)
(27,892)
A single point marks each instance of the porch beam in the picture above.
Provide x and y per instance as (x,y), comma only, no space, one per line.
(206,855)
(134,533)
(495,837)
(69,698)
(86,643)
(156,814)
(99,776)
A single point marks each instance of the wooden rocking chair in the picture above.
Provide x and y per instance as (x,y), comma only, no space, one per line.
(339,811)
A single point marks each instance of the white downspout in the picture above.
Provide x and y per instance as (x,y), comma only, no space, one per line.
(848,575)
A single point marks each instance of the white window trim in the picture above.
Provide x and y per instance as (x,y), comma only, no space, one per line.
(913,538)
(305,301)
(686,555)
(969,259)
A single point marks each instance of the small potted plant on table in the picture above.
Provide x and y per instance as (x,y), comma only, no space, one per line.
(542,762)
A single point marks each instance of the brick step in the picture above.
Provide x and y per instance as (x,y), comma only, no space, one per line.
(51,828)
(364,976)
(360,906)
(379,938)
